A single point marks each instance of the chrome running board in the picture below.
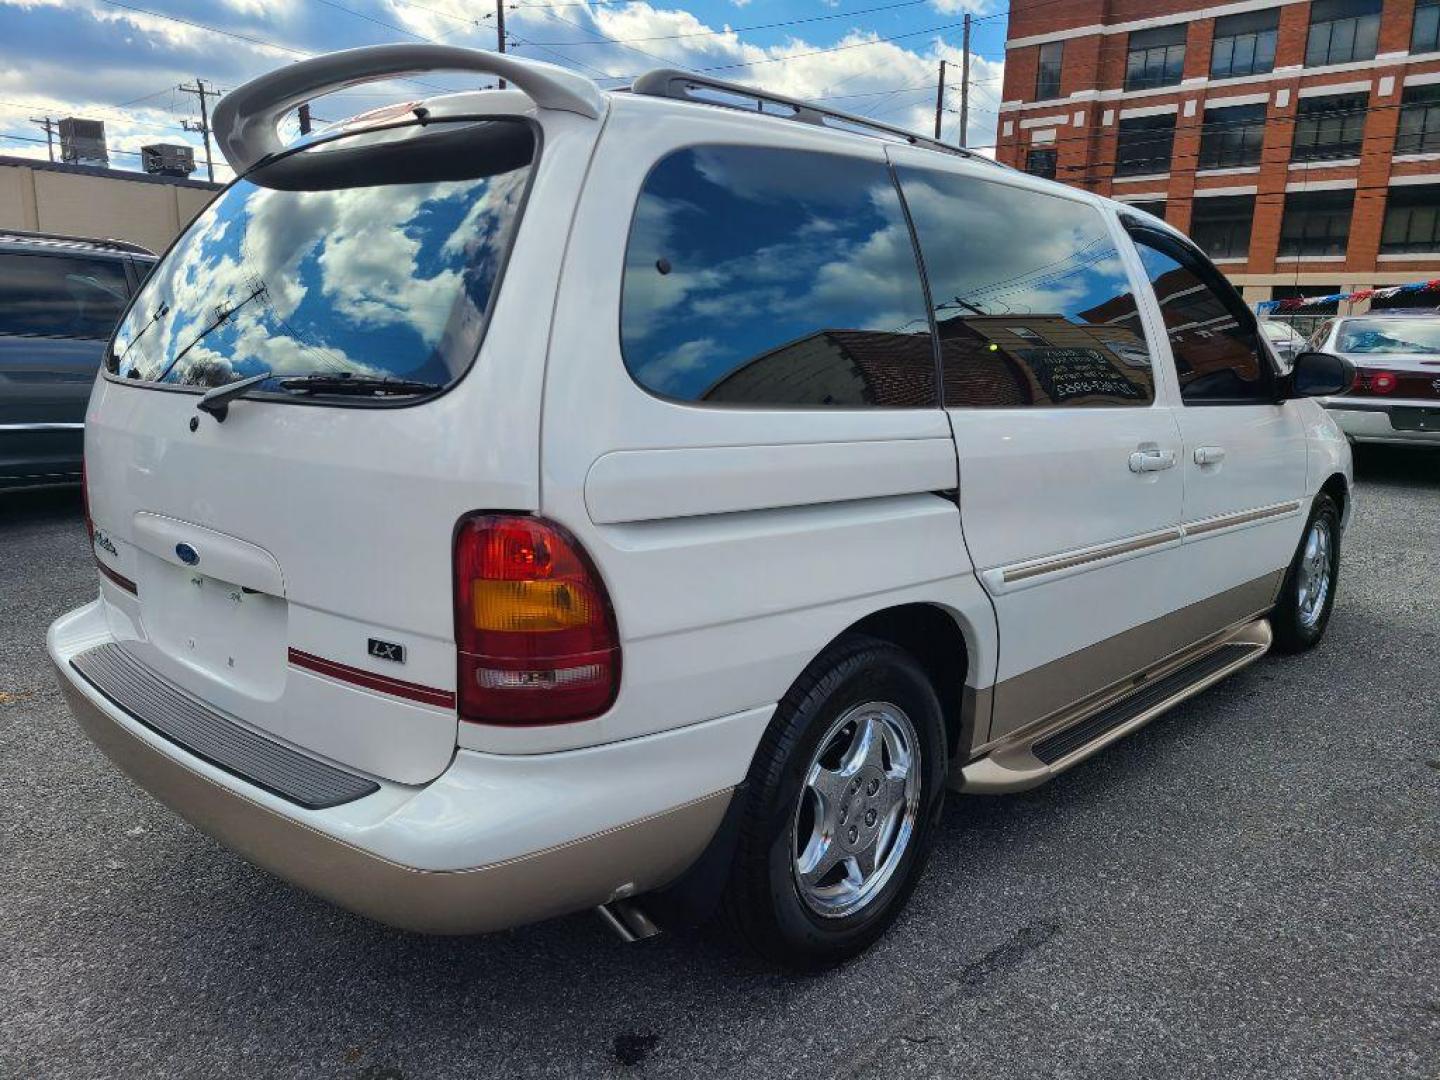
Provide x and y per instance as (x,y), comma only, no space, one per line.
(1036,753)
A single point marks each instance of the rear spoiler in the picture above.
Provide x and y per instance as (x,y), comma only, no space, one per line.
(245,119)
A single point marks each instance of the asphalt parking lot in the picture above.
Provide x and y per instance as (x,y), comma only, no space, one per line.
(1248,887)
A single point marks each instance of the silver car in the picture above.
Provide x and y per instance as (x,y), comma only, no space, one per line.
(1396,396)
(1284,339)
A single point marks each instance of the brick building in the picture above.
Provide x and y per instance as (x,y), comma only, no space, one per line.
(1297,141)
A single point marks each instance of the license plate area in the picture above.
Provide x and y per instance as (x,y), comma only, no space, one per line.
(215,627)
(1413,418)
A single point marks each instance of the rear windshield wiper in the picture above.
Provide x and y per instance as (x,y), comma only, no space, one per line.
(357,384)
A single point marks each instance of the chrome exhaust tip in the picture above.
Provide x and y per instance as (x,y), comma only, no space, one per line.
(628,921)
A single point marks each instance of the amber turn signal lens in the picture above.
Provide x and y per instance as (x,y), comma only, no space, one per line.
(521,606)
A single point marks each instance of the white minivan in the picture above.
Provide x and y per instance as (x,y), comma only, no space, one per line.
(532,499)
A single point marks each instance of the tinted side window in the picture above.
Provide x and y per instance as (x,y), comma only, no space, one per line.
(61,296)
(1031,299)
(759,276)
(1212,334)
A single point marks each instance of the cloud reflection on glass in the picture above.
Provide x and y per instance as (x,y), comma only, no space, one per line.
(388,273)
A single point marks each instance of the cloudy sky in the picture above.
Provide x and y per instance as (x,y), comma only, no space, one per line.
(122,62)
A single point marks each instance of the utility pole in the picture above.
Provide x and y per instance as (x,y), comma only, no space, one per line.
(500,32)
(965,83)
(940,101)
(200,90)
(49,126)
(305,118)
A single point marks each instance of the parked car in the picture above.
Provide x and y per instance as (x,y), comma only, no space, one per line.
(539,498)
(1396,395)
(1284,339)
(60,299)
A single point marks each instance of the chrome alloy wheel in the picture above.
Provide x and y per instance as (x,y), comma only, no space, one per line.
(1314,573)
(856,812)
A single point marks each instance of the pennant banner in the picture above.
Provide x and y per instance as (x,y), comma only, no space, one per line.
(1299,303)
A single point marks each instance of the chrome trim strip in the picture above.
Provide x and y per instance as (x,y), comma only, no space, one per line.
(42,427)
(1244,517)
(1067,562)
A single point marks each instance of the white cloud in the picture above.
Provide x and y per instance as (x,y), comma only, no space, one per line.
(855,71)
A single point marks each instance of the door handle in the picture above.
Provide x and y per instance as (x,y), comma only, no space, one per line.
(1209,455)
(1143,461)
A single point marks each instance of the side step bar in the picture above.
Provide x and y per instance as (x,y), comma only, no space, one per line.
(1035,754)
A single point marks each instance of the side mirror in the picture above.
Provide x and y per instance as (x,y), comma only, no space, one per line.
(1319,374)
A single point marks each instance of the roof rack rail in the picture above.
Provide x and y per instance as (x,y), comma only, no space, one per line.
(682,85)
(244,120)
(65,238)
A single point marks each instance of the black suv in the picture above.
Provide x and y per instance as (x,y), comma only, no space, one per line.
(60,298)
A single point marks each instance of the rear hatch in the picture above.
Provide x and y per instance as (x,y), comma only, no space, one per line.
(290,554)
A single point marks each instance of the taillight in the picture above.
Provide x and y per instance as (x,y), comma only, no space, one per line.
(533,624)
(85,503)
(1379,382)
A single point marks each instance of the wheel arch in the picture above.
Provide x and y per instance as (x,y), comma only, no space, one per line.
(1338,489)
(945,644)
(936,636)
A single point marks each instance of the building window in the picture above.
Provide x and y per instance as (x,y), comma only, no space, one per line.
(1041,163)
(1412,220)
(1342,31)
(1329,128)
(1047,75)
(1233,136)
(1220,225)
(1245,44)
(1151,206)
(1425,34)
(1419,121)
(1316,222)
(1144,145)
(1155,58)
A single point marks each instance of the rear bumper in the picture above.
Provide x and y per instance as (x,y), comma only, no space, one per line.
(1372,422)
(408,856)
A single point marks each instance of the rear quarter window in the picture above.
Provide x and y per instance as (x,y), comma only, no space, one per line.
(770,277)
(61,296)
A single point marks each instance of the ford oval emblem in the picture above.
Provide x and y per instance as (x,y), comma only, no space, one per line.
(187,554)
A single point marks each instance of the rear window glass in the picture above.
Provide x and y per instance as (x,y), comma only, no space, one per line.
(61,296)
(374,255)
(1389,336)
(770,277)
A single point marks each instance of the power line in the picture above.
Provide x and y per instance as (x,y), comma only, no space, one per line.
(211,29)
(822,52)
(610,40)
(737,30)
(263,43)
(36,139)
(103,109)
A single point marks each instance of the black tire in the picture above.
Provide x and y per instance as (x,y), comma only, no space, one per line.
(1294,631)
(762,902)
